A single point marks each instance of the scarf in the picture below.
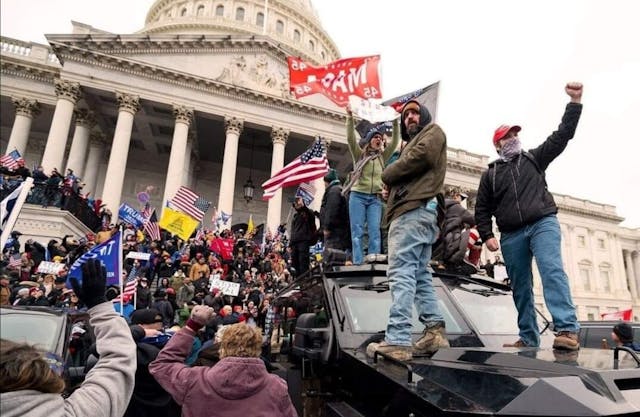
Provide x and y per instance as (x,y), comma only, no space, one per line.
(357,169)
(510,149)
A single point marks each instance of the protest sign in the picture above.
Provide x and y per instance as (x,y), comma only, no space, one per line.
(46,267)
(227,287)
(130,215)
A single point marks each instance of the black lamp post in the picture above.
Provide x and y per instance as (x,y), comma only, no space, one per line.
(248,186)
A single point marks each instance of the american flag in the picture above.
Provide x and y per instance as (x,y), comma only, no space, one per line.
(15,261)
(151,226)
(11,160)
(129,286)
(200,234)
(306,191)
(311,165)
(190,203)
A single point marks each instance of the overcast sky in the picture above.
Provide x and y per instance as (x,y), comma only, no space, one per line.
(497,61)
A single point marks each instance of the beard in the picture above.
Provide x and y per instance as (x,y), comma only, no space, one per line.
(413,130)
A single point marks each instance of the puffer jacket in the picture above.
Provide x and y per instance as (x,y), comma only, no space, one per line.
(418,173)
(515,191)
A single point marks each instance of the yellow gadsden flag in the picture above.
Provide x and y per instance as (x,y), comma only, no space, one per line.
(250,226)
(178,223)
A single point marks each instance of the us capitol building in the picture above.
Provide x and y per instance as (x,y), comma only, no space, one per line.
(200,97)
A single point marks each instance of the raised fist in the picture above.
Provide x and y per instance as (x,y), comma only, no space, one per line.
(574,90)
(201,314)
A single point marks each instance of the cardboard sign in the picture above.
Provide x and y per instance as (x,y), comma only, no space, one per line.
(46,267)
(138,255)
(227,287)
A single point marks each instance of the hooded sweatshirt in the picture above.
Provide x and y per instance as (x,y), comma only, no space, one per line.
(234,387)
(107,388)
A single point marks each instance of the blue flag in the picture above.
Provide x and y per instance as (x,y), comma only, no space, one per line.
(130,215)
(109,253)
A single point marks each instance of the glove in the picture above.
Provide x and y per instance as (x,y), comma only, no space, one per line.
(94,283)
(200,315)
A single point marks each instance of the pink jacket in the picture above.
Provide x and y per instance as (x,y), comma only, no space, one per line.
(234,387)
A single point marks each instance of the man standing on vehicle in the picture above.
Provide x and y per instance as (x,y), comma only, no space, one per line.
(415,184)
(514,190)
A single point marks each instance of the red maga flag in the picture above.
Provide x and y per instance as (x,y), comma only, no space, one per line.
(337,80)
(625,315)
(311,165)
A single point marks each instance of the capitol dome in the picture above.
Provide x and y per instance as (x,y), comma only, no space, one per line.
(292,23)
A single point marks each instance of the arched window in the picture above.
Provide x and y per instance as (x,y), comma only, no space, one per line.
(200,11)
(240,14)
(183,12)
(296,36)
(312,45)
(220,10)
(260,19)
(280,27)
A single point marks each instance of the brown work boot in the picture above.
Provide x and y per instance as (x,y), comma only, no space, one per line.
(517,344)
(397,352)
(566,340)
(432,339)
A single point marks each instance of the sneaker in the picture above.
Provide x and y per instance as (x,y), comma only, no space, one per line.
(432,339)
(517,344)
(566,340)
(397,352)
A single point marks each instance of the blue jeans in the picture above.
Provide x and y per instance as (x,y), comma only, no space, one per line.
(364,208)
(410,239)
(542,241)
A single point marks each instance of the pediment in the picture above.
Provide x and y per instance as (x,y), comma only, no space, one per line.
(248,62)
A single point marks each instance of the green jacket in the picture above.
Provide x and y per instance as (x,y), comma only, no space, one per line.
(418,174)
(370,182)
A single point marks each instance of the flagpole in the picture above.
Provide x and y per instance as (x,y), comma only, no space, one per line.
(13,217)
(120,269)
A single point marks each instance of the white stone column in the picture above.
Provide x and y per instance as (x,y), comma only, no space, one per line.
(96,153)
(111,194)
(186,170)
(636,272)
(631,274)
(233,128)
(26,110)
(85,120)
(175,173)
(68,94)
(279,138)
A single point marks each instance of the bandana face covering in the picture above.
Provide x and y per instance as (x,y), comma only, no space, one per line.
(511,148)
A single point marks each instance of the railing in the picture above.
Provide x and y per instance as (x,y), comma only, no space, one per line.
(30,50)
(45,196)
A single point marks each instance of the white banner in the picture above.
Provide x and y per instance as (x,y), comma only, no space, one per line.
(227,287)
(138,255)
(373,112)
(46,267)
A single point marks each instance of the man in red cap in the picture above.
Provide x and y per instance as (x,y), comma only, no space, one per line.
(514,191)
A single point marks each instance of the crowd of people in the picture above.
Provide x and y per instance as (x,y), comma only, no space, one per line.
(180,315)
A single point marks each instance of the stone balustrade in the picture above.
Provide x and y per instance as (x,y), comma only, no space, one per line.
(29,50)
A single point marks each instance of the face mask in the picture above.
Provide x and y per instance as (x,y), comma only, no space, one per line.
(510,148)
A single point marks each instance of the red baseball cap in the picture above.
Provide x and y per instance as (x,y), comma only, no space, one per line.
(502,131)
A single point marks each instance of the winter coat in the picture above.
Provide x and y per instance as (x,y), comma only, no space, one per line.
(166,311)
(107,388)
(185,294)
(234,387)
(303,226)
(452,245)
(334,217)
(370,181)
(194,272)
(418,174)
(143,297)
(515,191)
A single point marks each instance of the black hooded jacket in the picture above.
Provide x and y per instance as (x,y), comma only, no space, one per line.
(515,191)
(425,119)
